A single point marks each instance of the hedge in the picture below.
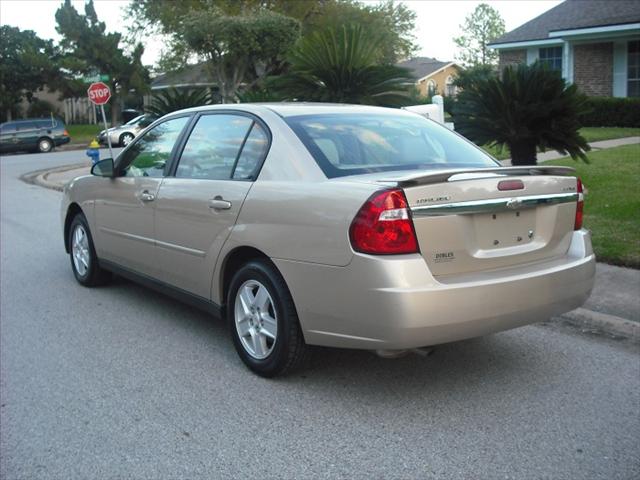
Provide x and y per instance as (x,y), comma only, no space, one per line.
(612,112)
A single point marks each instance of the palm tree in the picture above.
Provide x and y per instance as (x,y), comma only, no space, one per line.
(172,99)
(530,107)
(258,94)
(340,66)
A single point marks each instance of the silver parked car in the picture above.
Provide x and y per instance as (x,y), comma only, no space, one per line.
(342,226)
(124,134)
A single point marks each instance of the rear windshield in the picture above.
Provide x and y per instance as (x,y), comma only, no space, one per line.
(49,123)
(352,144)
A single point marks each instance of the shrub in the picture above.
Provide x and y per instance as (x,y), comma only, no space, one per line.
(172,99)
(341,65)
(612,112)
(258,94)
(530,107)
(41,108)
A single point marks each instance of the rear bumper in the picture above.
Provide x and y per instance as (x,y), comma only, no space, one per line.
(395,303)
(62,141)
(114,136)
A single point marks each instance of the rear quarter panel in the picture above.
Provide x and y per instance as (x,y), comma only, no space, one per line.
(301,221)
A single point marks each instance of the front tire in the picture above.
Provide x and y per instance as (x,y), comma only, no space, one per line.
(84,262)
(263,320)
(45,145)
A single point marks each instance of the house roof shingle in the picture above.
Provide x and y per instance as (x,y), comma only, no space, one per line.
(573,14)
(422,66)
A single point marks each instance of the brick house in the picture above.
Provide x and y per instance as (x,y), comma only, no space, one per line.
(594,43)
(432,75)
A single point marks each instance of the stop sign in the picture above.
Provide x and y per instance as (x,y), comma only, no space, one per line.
(99,93)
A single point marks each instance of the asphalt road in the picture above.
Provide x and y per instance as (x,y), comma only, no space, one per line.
(121,382)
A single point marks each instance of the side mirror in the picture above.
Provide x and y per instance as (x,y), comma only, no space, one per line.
(104,168)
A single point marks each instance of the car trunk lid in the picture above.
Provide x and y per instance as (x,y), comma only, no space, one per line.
(477,220)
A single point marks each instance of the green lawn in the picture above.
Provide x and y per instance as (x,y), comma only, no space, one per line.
(612,203)
(591,134)
(594,134)
(497,153)
(83,134)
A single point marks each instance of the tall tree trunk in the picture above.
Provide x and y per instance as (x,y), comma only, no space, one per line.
(523,152)
(9,115)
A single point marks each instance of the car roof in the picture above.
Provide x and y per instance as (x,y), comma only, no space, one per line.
(292,109)
(31,120)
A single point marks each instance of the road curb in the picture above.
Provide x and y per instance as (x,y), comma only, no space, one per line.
(611,324)
(40,177)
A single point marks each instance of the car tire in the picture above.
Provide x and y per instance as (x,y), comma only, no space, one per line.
(45,145)
(125,139)
(252,323)
(84,262)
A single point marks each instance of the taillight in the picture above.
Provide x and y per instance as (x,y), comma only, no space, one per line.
(65,133)
(383,225)
(579,208)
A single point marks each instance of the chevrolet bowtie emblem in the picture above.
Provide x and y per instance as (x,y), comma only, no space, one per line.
(514,203)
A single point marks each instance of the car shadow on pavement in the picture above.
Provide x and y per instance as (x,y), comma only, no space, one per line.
(500,360)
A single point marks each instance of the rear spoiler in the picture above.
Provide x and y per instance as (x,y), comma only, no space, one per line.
(440,176)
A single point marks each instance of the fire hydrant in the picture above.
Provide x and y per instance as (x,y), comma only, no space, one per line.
(93,152)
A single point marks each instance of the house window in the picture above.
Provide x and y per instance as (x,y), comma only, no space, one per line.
(552,57)
(431,88)
(450,89)
(633,69)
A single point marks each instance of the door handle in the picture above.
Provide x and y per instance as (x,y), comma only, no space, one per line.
(219,203)
(147,197)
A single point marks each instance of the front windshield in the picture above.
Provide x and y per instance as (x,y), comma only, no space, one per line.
(351,144)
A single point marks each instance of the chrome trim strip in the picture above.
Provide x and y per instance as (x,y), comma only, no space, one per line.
(158,243)
(129,236)
(181,249)
(493,205)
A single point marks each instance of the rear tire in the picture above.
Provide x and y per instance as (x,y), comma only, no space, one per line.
(84,262)
(263,320)
(125,139)
(45,145)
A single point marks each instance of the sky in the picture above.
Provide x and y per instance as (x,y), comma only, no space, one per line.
(437,21)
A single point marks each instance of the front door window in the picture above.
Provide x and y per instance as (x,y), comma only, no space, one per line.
(148,157)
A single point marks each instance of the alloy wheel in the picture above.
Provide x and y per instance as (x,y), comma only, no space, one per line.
(80,250)
(44,145)
(256,319)
(126,139)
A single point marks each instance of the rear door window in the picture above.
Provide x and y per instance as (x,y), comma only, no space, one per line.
(46,124)
(26,126)
(213,147)
(253,152)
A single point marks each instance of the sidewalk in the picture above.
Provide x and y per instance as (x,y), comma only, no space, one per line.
(595,146)
(614,305)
